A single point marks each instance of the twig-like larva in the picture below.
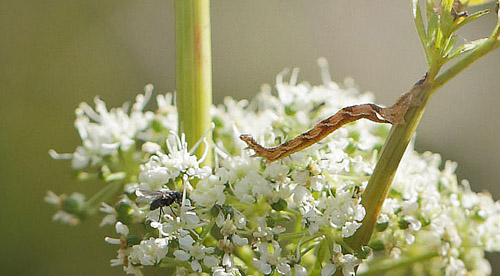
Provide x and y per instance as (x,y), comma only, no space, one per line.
(393,115)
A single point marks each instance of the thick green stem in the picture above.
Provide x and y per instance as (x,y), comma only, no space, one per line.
(193,70)
(392,152)
(400,135)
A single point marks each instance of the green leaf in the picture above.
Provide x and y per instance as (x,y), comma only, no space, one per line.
(429,7)
(417,17)
(323,251)
(432,28)
(446,20)
(449,45)
(466,48)
(476,2)
(465,20)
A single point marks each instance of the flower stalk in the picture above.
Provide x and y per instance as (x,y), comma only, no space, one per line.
(398,264)
(400,135)
(193,71)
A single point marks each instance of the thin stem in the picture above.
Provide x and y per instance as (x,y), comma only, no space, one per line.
(398,264)
(91,205)
(193,70)
(466,61)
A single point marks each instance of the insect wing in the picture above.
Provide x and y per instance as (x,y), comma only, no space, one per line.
(145,196)
(146,193)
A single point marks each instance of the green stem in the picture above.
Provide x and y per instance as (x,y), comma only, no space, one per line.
(400,135)
(90,206)
(401,263)
(193,71)
(459,66)
(392,152)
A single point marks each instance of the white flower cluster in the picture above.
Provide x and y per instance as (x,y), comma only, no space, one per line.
(430,211)
(244,217)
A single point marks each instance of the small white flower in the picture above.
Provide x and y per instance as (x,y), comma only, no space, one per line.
(346,262)
(66,218)
(262,266)
(186,242)
(151,147)
(350,228)
(221,271)
(239,220)
(455,267)
(328,270)
(301,194)
(209,191)
(190,218)
(196,266)
(103,132)
(239,241)
(276,171)
(268,259)
(182,255)
(227,228)
(227,260)
(149,252)
(300,270)
(211,261)
(110,218)
(121,228)
(52,198)
(164,167)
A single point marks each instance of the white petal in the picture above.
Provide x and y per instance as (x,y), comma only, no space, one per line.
(300,270)
(186,242)
(181,255)
(284,269)
(151,147)
(112,240)
(121,228)
(196,266)
(239,241)
(262,266)
(227,260)
(328,270)
(210,261)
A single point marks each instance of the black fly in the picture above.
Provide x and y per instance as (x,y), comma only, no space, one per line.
(161,199)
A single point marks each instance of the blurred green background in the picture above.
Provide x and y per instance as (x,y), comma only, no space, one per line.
(56,54)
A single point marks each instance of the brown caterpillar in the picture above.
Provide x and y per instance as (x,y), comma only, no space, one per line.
(393,115)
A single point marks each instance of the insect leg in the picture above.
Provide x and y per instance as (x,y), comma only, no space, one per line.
(172,210)
(161,211)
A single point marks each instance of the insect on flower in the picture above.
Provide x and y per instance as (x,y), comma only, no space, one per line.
(160,199)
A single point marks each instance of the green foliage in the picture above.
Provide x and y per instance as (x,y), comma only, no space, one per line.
(444,18)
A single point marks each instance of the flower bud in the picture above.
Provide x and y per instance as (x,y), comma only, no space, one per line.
(381,226)
(280,205)
(403,224)
(124,212)
(71,206)
(364,252)
(214,211)
(133,240)
(377,245)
